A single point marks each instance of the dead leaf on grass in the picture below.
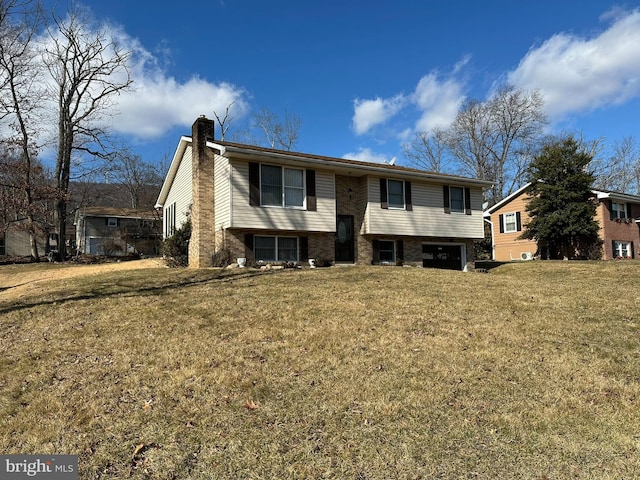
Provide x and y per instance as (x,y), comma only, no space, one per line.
(251,405)
(147,405)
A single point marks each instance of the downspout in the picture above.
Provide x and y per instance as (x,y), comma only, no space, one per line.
(493,243)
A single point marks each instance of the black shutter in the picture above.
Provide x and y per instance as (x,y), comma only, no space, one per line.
(467,201)
(447,203)
(633,253)
(628,210)
(611,216)
(106,221)
(399,250)
(613,249)
(384,203)
(248,245)
(501,219)
(407,196)
(518,222)
(312,203)
(375,244)
(304,248)
(254,184)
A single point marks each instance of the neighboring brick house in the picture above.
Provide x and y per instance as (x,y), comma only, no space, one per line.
(272,205)
(117,231)
(617,214)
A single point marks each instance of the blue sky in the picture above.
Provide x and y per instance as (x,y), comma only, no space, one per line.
(365,76)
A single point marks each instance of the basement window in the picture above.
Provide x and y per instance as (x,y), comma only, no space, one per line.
(112,222)
(276,249)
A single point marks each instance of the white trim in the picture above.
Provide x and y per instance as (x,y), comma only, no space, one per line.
(505,200)
(341,164)
(173,170)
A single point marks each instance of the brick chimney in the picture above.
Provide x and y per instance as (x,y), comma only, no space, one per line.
(202,243)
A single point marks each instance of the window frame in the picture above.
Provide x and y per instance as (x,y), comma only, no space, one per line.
(618,210)
(284,187)
(462,199)
(276,248)
(621,246)
(393,250)
(396,206)
(515,222)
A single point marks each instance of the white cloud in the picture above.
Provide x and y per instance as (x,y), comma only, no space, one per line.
(580,74)
(438,100)
(366,155)
(370,113)
(158,102)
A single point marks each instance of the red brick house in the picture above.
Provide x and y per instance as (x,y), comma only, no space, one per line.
(618,215)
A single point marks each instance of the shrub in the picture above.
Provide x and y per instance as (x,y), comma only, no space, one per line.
(221,258)
(323,262)
(176,247)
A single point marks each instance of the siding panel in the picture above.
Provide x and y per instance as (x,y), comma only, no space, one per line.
(243,215)
(427,219)
(181,191)
(222,191)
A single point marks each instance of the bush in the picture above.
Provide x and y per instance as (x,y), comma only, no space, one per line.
(323,262)
(221,258)
(176,247)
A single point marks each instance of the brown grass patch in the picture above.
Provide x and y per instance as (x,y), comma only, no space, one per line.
(530,371)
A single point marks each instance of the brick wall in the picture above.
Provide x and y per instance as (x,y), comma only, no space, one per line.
(320,244)
(202,243)
(618,230)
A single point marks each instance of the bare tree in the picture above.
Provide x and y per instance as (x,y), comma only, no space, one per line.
(88,69)
(495,140)
(225,122)
(282,134)
(621,170)
(141,180)
(428,150)
(19,95)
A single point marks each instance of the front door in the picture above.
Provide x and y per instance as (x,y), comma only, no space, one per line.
(344,239)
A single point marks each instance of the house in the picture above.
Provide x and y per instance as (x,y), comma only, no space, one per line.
(617,214)
(117,231)
(16,241)
(280,206)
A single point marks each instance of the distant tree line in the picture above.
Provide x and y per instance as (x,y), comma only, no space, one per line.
(59,75)
(498,139)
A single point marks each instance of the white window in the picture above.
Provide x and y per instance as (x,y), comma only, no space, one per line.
(456,195)
(281,187)
(510,223)
(622,249)
(170,220)
(395,193)
(387,250)
(112,222)
(619,210)
(276,249)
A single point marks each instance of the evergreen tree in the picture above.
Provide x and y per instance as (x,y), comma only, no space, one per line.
(562,205)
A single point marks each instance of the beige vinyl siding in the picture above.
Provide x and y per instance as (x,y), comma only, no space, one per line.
(427,219)
(181,191)
(222,191)
(244,215)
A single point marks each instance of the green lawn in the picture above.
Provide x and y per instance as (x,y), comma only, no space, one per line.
(531,371)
